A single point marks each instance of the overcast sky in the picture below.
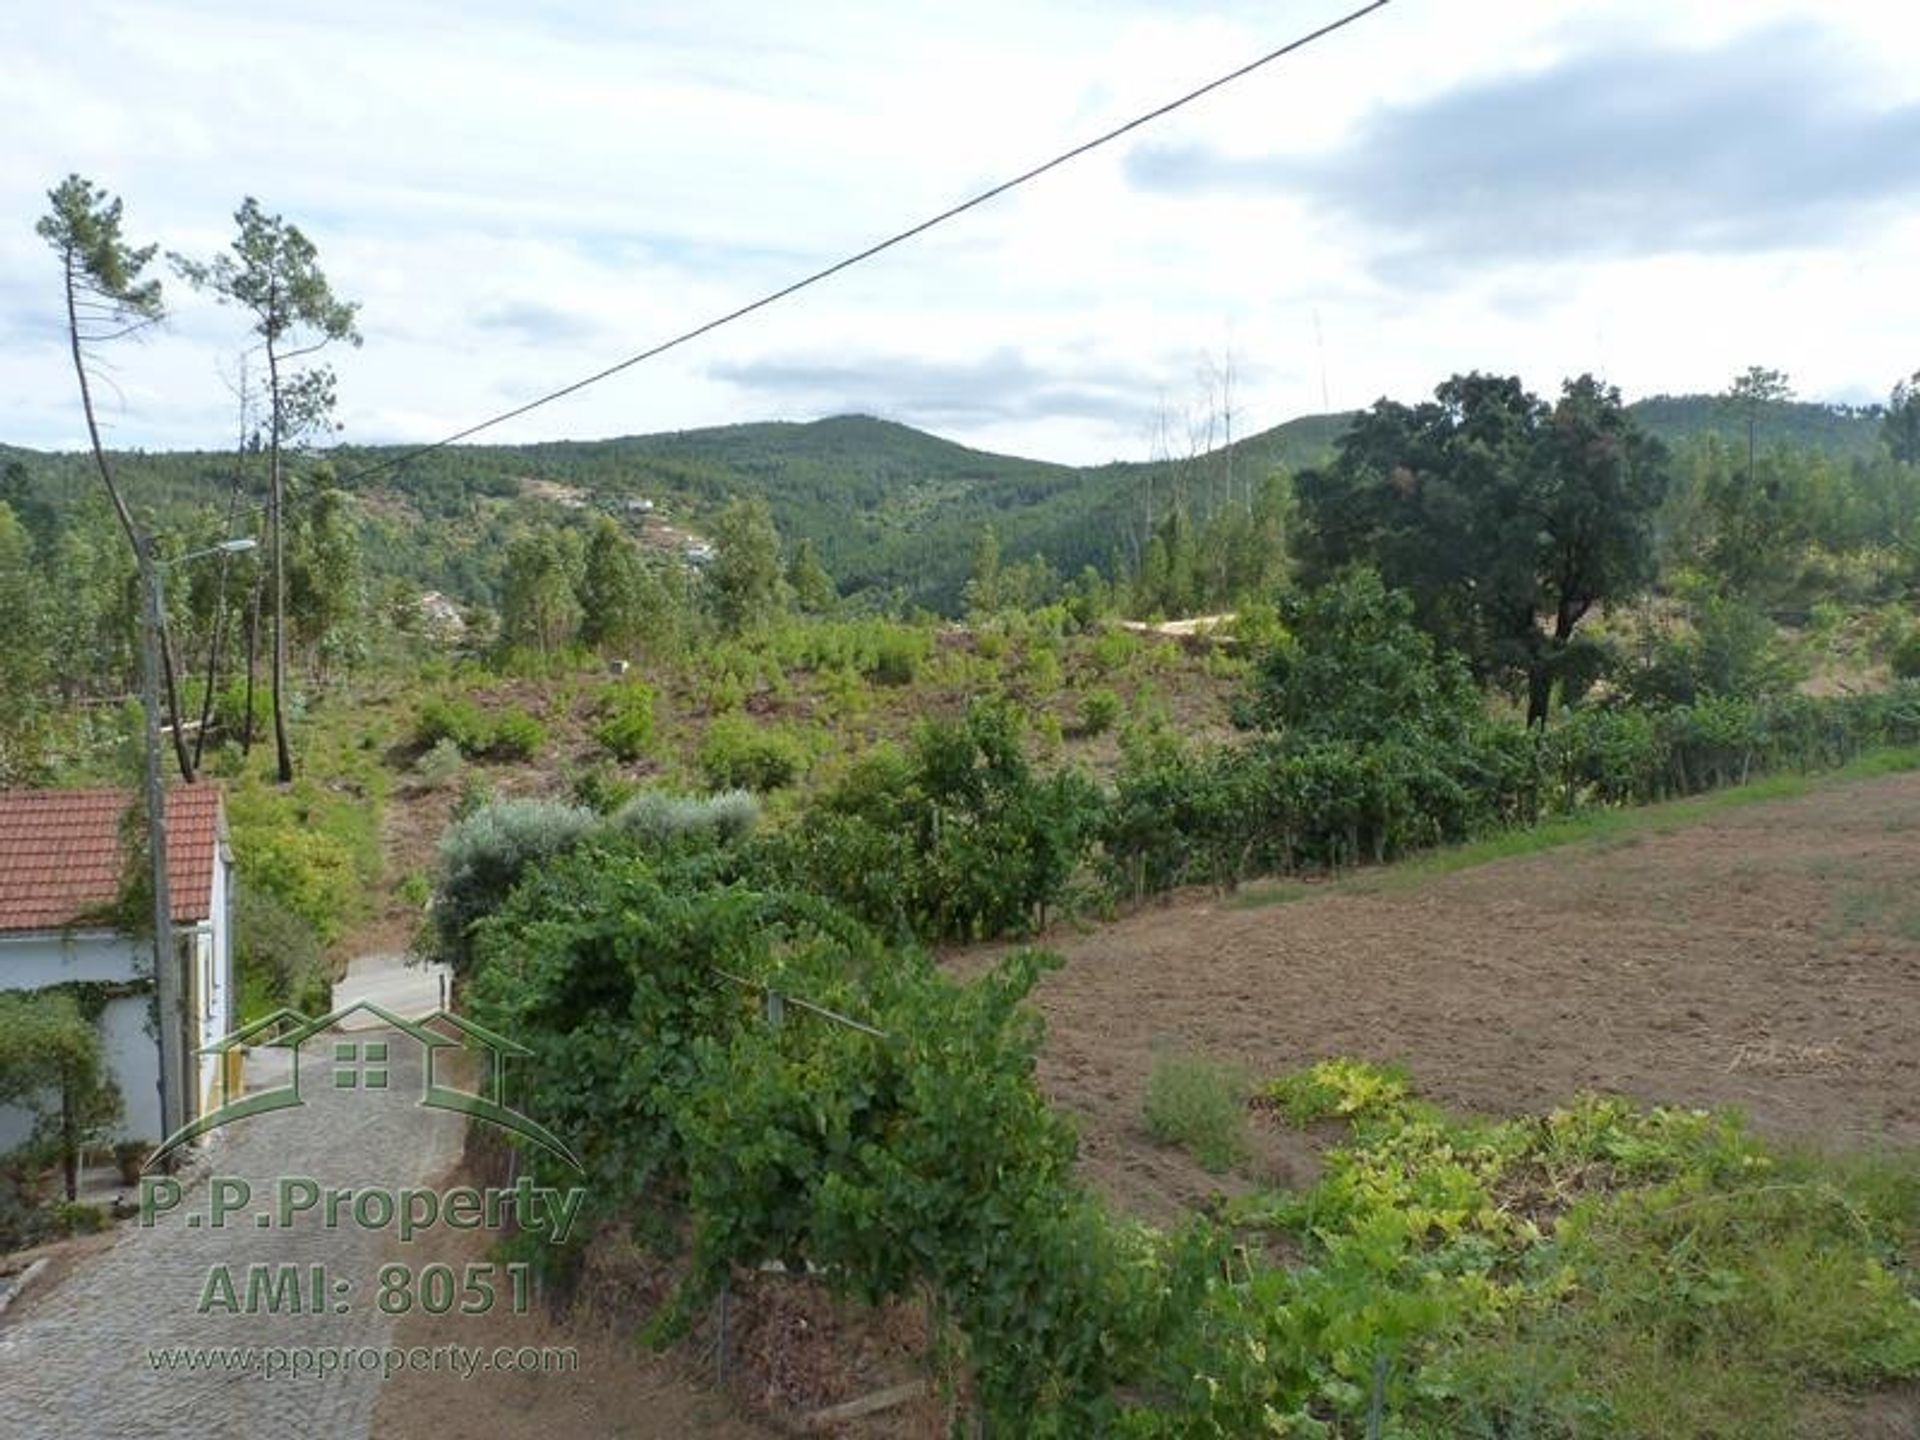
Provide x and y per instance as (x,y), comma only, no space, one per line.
(519,193)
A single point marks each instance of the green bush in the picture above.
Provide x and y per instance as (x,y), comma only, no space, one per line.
(230,710)
(737,754)
(1114,651)
(277,958)
(516,736)
(658,817)
(54,1067)
(1201,1105)
(79,1217)
(959,839)
(291,845)
(484,854)
(441,765)
(896,656)
(1904,657)
(601,790)
(626,724)
(453,718)
(1099,712)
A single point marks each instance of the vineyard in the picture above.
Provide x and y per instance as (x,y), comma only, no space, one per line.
(1407,1270)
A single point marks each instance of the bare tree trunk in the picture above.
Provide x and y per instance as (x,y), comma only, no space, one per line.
(253,662)
(283,750)
(141,559)
(216,646)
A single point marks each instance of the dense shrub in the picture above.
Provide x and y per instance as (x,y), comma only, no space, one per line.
(737,754)
(441,765)
(921,1157)
(483,855)
(626,723)
(516,735)
(1904,657)
(896,657)
(1099,712)
(461,723)
(658,818)
(53,1066)
(602,790)
(283,848)
(230,710)
(957,838)
(1351,665)
(453,718)
(277,958)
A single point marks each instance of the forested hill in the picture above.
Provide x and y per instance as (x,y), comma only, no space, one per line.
(890,509)
(1839,430)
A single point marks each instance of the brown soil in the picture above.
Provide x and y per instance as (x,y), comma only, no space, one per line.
(1768,958)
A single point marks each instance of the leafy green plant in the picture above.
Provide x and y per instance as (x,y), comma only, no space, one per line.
(1199,1104)
(1904,657)
(897,656)
(278,959)
(516,735)
(1114,651)
(54,1066)
(456,719)
(79,1217)
(602,790)
(484,854)
(658,818)
(737,754)
(626,723)
(1100,711)
(441,765)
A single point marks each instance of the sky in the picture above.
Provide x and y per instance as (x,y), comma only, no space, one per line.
(520,192)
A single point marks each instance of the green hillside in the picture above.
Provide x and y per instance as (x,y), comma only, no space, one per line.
(1839,430)
(891,510)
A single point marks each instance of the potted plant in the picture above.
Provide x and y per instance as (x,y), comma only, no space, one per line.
(130,1155)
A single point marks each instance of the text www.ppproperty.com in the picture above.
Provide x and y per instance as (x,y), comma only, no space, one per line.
(275,1362)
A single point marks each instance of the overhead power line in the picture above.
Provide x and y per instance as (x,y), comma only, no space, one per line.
(898,238)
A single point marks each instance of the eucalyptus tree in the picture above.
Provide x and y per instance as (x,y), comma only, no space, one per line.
(272,272)
(1901,426)
(108,298)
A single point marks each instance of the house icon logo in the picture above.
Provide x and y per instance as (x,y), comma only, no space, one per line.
(365,1059)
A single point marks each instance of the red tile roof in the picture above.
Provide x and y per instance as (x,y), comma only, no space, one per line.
(60,853)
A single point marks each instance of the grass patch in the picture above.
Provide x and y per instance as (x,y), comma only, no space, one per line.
(1200,1105)
(1604,828)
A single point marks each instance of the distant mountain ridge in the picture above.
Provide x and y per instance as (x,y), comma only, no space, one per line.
(889,508)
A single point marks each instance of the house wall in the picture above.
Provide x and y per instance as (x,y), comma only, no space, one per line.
(212,957)
(41,958)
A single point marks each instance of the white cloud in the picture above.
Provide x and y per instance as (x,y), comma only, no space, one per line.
(520,195)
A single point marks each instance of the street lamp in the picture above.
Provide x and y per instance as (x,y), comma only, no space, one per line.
(174,1079)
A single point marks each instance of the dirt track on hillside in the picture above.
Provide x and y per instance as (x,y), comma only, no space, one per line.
(1767,958)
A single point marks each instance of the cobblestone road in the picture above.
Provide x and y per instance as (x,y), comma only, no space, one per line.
(81,1361)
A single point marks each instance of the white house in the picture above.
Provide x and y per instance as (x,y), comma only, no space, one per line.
(60,866)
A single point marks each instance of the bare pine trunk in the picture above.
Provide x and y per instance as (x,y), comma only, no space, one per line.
(283,750)
(253,664)
(140,558)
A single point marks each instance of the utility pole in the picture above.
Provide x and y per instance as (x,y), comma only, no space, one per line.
(166,971)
